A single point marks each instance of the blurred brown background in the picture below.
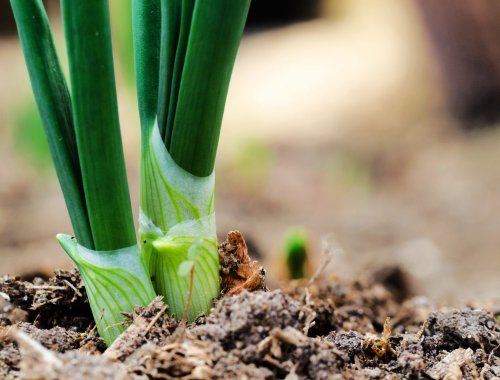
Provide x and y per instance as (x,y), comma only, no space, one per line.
(374,124)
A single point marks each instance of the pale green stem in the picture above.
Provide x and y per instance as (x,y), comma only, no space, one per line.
(115,281)
(177,224)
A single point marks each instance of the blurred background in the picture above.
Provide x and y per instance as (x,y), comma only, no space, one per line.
(372,125)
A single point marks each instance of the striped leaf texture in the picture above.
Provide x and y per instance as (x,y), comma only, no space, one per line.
(177,214)
(115,281)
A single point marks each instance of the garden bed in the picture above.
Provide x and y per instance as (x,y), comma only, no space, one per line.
(367,328)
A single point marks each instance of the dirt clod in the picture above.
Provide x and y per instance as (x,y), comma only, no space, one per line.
(463,329)
(61,301)
(150,324)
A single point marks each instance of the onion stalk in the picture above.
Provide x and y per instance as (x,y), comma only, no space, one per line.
(184,54)
(84,139)
(197,47)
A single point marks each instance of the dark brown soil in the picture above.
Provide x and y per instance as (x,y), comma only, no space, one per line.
(330,329)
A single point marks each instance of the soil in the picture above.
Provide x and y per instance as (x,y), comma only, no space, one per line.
(327,328)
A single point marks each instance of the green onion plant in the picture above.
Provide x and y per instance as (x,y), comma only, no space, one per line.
(184,53)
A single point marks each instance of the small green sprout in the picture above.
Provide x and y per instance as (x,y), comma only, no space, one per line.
(296,242)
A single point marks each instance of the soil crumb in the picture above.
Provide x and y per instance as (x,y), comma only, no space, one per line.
(329,329)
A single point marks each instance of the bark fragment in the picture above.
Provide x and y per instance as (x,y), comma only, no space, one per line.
(237,270)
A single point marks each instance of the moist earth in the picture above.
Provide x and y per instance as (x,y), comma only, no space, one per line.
(325,328)
(329,329)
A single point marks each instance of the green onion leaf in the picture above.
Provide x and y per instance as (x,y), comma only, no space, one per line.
(54,103)
(170,24)
(95,111)
(146,21)
(180,56)
(215,34)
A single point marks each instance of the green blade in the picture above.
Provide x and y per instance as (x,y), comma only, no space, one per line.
(186,16)
(95,111)
(54,104)
(170,24)
(215,35)
(146,21)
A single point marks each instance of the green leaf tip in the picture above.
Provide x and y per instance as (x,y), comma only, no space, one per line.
(296,242)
